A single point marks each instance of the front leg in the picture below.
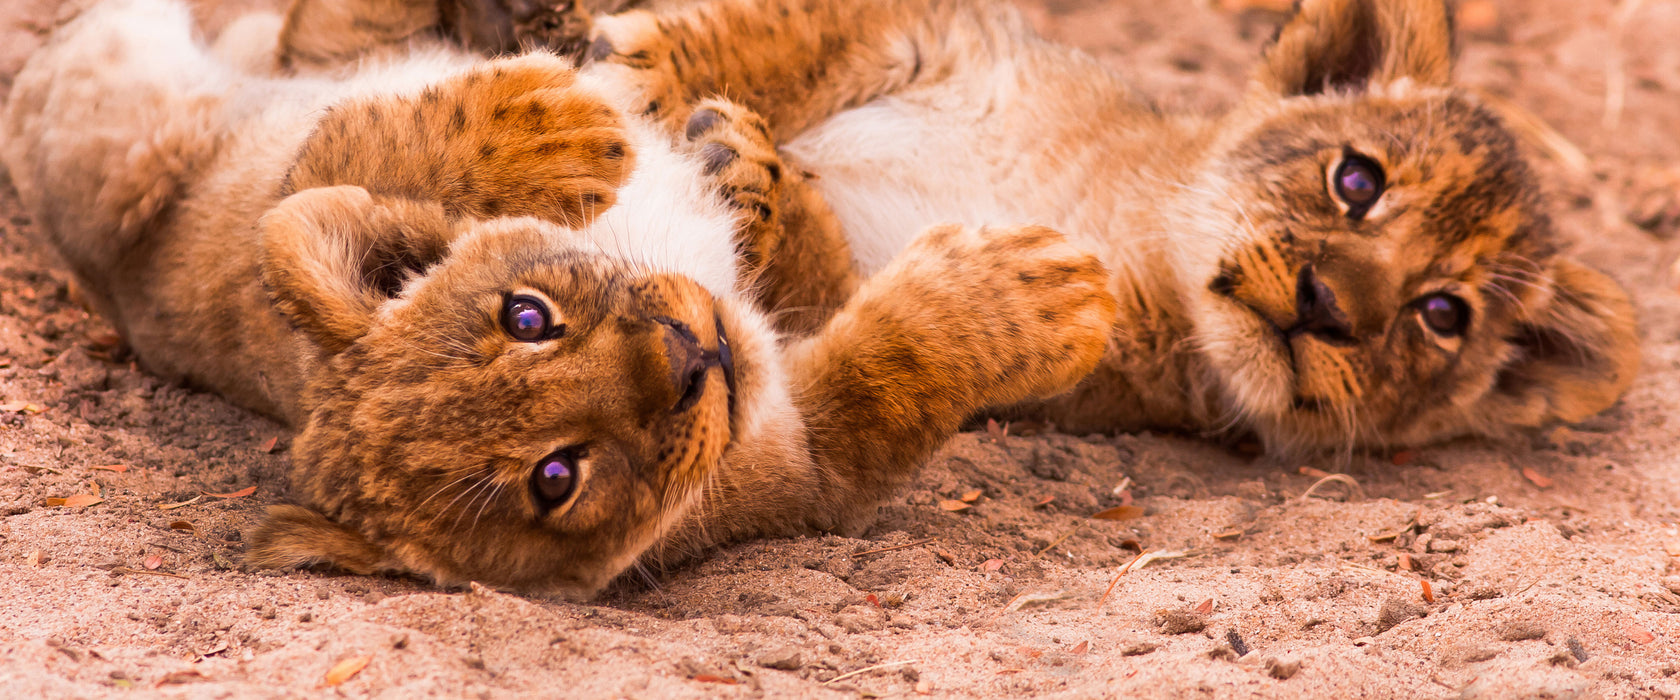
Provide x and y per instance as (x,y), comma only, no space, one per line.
(794,61)
(512,137)
(795,259)
(326,33)
(962,320)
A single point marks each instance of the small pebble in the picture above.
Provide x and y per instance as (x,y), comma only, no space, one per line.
(1282,669)
(1521,630)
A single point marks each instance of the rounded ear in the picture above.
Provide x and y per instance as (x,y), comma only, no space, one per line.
(1576,352)
(1349,44)
(293,536)
(332,255)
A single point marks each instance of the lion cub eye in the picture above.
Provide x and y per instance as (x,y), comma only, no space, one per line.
(554,478)
(1444,314)
(1358,182)
(526,319)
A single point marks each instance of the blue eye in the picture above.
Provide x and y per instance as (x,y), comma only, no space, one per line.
(526,319)
(555,478)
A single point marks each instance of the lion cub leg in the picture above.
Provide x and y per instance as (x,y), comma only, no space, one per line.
(513,137)
(325,33)
(793,253)
(962,320)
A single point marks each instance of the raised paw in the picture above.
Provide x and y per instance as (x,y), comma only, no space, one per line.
(512,137)
(1011,313)
(508,26)
(734,147)
(632,48)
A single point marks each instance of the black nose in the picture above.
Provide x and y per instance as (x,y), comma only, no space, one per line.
(688,362)
(1316,311)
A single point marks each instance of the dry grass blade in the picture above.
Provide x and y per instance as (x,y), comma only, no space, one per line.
(236,494)
(893,548)
(1026,599)
(182,504)
(867,669)
(1059,540)
(1355,491)
(127,570)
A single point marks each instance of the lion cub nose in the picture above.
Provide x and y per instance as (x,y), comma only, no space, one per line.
(688,362)
(1316,311)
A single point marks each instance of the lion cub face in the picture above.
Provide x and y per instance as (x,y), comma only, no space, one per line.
(521,413)
(1371,263)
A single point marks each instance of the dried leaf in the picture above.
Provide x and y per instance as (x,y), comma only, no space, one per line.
(991,565)
(1404,562)
(185,526)
(1119,513)
(1428,591)
(80,500)
(221,646)
(1478,16)
(118,468)
(179,677)
(1540,480)
(269,445)
(1314,473)
(971,496)
(709,678)
(182,504)
(1402,457)
(1228,534)
(1639,634)
(954,506)
(221,562)
(1080,648)
(1205,607)
(872,600)
(22,407)
(999,433)
(236,494)
(152,562)
(343,670)
(1042,502)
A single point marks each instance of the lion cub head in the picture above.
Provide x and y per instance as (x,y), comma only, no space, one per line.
(485,402)
(1369,261)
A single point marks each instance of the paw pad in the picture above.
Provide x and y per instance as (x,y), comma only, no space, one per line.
(702,121)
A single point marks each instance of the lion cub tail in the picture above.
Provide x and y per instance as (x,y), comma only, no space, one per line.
(106,122)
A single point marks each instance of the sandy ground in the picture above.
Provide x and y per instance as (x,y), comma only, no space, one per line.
(1546,567)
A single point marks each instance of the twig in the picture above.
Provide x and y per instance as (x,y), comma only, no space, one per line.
(867,669)
(893,548)
(126,570)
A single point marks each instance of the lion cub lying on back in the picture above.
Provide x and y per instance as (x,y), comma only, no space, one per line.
(1355,255)
(507,320)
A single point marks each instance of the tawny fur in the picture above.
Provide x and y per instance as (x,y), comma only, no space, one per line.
(923,111)
(337,246)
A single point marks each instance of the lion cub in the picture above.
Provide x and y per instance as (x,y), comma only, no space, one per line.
(508,321)
(1356,255)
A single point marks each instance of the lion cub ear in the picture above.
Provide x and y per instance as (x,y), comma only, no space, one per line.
(1349,44)
(332,255)
(296,536)
(1575,353)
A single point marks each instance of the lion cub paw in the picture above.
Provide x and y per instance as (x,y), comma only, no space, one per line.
(512,137)
(1021,308)
(635,51)
(733,144)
